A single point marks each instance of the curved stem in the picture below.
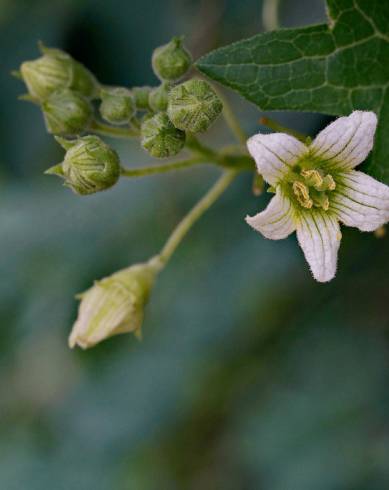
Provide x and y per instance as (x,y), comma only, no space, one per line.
(194,214)
(232,121)
(270,15)
(275,126)
(112,131)
(162,168)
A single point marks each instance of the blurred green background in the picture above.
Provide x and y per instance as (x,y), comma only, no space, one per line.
(251,376)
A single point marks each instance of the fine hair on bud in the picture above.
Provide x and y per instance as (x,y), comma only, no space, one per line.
(117,105)
(89,166)
(193,106)
(56,70)
(171,61)
(141,97)
(160,138)
(158,98)
(66,112)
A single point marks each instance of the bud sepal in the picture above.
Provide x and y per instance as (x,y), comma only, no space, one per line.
(89,166)
(114,305)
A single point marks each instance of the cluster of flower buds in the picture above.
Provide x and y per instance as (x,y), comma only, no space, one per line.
(161,116)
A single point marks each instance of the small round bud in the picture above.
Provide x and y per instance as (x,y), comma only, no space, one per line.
(56,70)
(141,97)
(171,61)
(160,138)
(117,105)
(66,112)
(193,106)
(158,98)
(89,166)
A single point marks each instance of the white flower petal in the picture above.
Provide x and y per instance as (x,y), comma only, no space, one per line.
(346,142)
(361,201)
(277,220)
(319,236)
(274,154)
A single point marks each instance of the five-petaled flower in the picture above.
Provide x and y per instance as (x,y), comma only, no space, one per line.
(316,187)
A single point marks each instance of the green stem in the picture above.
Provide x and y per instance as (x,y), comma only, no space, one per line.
(275,126)
(194,214)
(164,167)
(270,15)
(112,131)
(232,121)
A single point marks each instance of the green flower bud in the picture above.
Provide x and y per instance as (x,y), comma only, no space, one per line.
(117,105)
(158,98)
(160,138)
(141,96)
(66,112)
(114,305)
(171,61)
(193,106)
(56,70)
(90,165)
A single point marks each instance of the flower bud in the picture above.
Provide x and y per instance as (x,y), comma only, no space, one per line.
(114,305)
(171,61)
(90,165)
(66,112)
(141,97)
(117,105)
(158,98)
(193,106)
(56,70)
(160,138)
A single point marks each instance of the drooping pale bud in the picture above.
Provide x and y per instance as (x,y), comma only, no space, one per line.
(141,97)
(114,305)
(66,112)
(117,105)
(160,138)
(56,70)
(89,166)
(171,61)
(158,98)
(193,106)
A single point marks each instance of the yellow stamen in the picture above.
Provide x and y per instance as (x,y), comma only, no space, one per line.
(301,191)
(312,177)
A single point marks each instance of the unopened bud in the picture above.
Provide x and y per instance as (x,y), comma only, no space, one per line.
(158,98)
(193,106)
(66,112)
(141,97)
(89,166)
(160,138)
(171,61)
(56,70)
(117,105)
(114,305)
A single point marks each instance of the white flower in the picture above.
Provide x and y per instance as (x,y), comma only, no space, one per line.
(316,187)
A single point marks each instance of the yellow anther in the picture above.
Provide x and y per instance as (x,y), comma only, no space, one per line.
(329,183)
(301,191)
(312,177)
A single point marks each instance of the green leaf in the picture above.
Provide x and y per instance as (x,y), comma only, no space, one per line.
(333,69)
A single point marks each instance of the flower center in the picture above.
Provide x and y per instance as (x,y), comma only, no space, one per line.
(311,188)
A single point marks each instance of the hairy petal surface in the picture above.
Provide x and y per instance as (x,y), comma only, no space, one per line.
(277,220)
(274,154)
(361,201)
(346,142)
(318,234)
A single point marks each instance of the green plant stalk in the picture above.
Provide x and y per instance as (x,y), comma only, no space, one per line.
(275,126)
(194,214)
(232,122)
(164,167)
(113,131)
